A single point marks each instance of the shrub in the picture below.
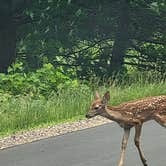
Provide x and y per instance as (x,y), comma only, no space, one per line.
(42,82)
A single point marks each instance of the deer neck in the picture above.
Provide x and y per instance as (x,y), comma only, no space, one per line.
(112,114)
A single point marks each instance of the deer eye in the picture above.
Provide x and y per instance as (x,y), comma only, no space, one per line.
(97,107)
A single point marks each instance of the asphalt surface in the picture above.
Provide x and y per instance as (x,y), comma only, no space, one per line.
(99,146)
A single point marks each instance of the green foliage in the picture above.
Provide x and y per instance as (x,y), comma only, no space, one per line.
(60,43)
(42,82)
(62,30)
(25,112)
(51,32)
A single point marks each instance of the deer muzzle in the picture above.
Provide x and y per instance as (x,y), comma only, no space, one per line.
(87,116)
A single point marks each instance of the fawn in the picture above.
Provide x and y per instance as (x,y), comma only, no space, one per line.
(130,114)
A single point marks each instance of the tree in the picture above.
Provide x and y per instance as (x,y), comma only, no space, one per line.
(11,17)
(121,41)
(99,37)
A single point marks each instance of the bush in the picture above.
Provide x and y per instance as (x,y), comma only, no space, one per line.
(42,82)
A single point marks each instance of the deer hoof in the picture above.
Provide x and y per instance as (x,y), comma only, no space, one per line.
(145,164)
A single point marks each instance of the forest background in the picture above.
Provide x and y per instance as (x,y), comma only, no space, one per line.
(55,53)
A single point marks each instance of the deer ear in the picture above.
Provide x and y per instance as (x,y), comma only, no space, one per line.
(106,98)
(97,96)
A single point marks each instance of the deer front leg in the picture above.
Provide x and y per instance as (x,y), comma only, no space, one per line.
(124,145)
(137,143)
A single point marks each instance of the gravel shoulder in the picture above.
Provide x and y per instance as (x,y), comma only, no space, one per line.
(37,134)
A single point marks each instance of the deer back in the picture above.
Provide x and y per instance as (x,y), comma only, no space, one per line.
(143,109)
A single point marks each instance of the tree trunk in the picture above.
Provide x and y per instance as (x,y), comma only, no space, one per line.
(11,17)
(121,39)
(7,46)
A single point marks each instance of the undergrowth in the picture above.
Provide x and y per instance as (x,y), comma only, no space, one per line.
(24,111)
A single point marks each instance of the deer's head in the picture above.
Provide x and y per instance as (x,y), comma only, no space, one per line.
(98,105)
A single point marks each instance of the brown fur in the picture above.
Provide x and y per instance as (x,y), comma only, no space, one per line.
(144,109)
(131,114)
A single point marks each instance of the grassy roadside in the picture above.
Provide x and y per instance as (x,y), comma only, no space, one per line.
(26,112)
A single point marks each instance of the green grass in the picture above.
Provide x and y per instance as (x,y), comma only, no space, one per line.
(25,112)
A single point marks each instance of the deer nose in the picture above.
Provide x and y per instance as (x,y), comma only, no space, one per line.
(87,116)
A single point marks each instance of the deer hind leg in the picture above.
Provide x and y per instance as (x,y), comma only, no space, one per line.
(137,143)
(161,119)
(124,145)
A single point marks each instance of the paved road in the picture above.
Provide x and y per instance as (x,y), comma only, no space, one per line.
(99,146)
